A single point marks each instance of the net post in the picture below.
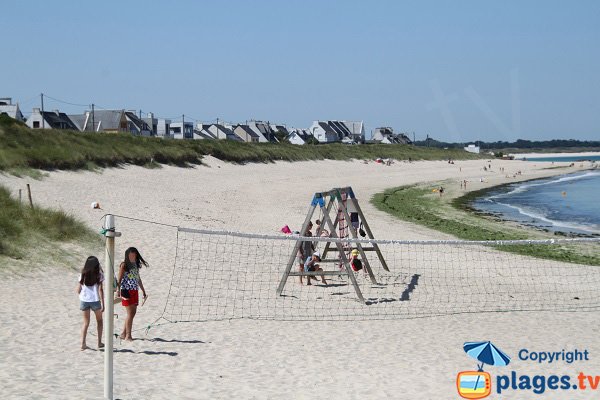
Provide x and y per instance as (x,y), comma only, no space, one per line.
(110,234)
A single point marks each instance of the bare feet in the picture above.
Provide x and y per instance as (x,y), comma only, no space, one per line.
(129,339)
(122,335)
(84,347)
(100,345)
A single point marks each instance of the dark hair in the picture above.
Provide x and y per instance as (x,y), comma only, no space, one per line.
(90,274)
(139,260)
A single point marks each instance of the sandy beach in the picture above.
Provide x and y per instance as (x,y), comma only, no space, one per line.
(249,359)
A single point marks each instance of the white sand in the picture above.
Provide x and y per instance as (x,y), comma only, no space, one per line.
(242,359)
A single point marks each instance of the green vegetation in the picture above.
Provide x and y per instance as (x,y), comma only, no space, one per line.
(22,148)
(453,215)
(34,233)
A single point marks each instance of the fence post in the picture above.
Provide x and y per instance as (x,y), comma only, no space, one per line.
(29,195)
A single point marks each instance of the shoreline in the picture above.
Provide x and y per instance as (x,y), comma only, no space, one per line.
(464,203)
(520,156)
(452,215)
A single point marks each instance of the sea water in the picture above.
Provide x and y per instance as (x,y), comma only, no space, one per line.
(567,203)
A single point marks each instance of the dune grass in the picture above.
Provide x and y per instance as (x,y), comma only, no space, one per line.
(453,215)
(22,148)
(34,233)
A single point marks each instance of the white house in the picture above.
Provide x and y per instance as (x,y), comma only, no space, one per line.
(201,132)
(50,120)
(181,130)
(163,128)
(472,149)
(338,131)
(10,109)
(222,132)
(152,123)
(263,130)
(386,135)
(299,136)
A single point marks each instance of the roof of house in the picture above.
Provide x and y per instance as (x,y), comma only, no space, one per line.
(247,130)
(105,120)
(78,120)
(58,120)
(12,110)
(140,124)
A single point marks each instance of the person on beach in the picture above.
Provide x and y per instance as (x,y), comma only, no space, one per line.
(441,191)
(128,282)
(312,265)
(305,250)
(91,297)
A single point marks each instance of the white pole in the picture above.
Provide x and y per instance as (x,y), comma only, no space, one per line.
(109,309)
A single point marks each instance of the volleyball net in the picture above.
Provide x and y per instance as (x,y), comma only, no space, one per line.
(220,275)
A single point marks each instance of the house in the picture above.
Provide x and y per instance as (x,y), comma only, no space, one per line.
(338,131)
(202,132)
(246,133)
(357,130)
(386,135)
(136,125)
(222,132)
(10,109)
(50,120)
(182,130)
(163,128)
(324,133)
(110,121)
(472,149)
(280,131)
(263,130)
(152,123)
(299,136)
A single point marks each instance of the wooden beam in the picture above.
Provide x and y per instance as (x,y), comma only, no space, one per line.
(344,259)
(352,229)
(294,254)
(370,234)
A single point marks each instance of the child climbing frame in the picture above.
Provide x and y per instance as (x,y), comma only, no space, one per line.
(345,224)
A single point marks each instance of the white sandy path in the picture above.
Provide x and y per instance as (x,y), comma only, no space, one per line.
(404,359)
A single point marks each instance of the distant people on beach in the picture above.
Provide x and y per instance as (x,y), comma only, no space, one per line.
(305,250)
(441,191)
(91,297)
(128,282)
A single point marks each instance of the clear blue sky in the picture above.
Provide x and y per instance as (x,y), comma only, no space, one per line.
(456,70)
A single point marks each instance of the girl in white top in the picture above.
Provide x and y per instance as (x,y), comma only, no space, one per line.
(91,297)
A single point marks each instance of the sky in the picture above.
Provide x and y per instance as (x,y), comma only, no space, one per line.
(453,70)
